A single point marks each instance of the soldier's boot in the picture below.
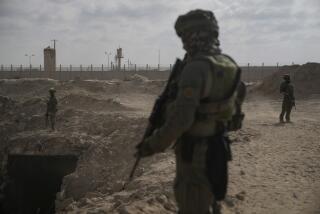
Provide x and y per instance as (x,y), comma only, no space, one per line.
(288,117)
(281,118)
(283,112)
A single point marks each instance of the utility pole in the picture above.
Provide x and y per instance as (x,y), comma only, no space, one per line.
(159,57)
(54,43)
(29,55)
(128,64)
(108,55)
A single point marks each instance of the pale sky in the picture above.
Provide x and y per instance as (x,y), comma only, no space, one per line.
(254,31)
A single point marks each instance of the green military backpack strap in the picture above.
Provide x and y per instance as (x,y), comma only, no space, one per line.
(228,91)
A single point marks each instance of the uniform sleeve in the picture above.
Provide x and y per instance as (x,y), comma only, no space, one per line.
(182,114)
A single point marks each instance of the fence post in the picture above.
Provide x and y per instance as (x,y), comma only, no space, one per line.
(60,67)
(102,67)
(277,64)
(135,67)
(11,68)
(30,67)
(20,67)
(91,67)
(158,67)
(262,70)
(40,67)
(248,72)
(146,67)
(124,67)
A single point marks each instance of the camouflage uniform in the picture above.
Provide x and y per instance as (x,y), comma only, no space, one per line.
(197,119)
(286,88)
(51,109)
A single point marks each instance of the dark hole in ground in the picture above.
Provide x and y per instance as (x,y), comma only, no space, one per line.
(33,181)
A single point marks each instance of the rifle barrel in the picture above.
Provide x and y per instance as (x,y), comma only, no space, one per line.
(134,168)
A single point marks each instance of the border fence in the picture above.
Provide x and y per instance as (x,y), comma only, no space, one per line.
(104,72)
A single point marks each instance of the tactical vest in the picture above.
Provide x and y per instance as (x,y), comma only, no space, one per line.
(52,105)
(217,105)
(287,89)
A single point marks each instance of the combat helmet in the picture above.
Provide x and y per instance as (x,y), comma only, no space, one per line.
(197,20)
(286,77)
(52,90)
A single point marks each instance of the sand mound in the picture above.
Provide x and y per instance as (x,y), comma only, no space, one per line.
(138,78)
(87,102)
(94,125)
(27,87)
(6,103)
(305,78)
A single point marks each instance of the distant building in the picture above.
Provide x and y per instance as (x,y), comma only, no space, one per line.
(49,61)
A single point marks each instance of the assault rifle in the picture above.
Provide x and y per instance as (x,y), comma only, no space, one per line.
(156,118)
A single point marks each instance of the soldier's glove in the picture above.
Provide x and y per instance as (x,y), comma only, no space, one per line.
(144,149)
(236,122)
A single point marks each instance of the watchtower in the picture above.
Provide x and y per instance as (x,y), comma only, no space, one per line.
(118,57)
(49,60)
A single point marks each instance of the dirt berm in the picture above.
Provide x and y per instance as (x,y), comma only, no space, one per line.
(275,168)
(305,78)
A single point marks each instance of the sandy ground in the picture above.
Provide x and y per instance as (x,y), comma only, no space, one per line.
(275,167)
(278,170)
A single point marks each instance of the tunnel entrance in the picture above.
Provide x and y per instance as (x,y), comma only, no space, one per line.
(33,181)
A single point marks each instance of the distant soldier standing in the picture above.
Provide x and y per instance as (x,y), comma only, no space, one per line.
(286,88)
(198,118)
(51,109)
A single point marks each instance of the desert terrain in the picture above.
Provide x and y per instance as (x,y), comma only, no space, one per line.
(275,167)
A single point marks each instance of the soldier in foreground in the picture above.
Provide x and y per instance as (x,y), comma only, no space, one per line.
(286,88)
(51,109)
(201,105)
